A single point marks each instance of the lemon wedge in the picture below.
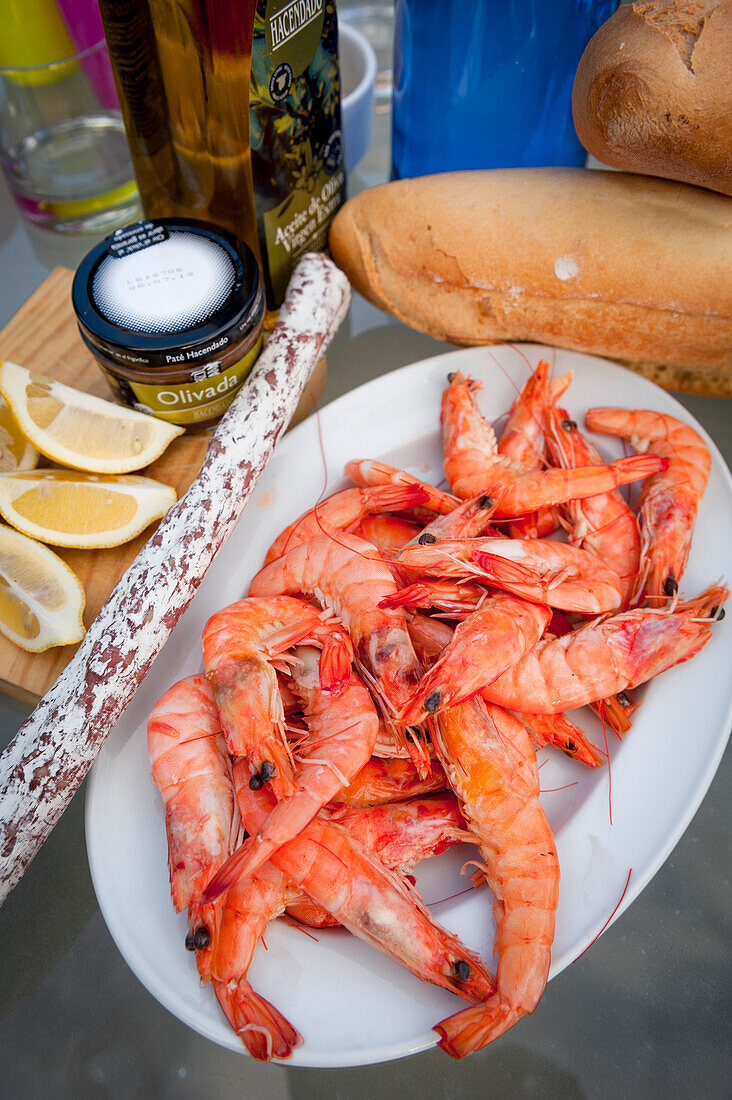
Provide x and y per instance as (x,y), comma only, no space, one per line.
(86,511)
(41,599)
(81,431)
(16,453)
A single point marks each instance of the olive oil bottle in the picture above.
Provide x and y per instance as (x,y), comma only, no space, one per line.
(232,111)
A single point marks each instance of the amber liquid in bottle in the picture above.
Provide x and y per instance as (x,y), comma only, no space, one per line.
(183,70)
(184,73)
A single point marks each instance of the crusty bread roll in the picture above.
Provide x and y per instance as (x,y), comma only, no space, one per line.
(626,266)
(653,91)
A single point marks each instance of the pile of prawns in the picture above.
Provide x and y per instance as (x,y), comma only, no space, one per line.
(379,696)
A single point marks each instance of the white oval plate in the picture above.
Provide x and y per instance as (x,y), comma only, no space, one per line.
(352,1005)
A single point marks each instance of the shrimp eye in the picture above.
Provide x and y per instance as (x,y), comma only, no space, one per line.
(433,701)
(267,770)
(671,585)
(462,970)
(426,538)
(569,425)
(623,699)
(256,782)
(451,377)
(717,613)
(570,746)
(485,502)
(198,940)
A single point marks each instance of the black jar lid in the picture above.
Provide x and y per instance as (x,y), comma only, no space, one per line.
(168,290)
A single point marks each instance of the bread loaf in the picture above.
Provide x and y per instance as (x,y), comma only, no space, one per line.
(627,266)
(653,91)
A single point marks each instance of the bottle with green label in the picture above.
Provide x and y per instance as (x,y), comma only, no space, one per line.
(232,111)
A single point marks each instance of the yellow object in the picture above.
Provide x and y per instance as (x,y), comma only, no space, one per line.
(81,431)
(79,207)
(41,599)
(16,453)
(32,32)
(84,511)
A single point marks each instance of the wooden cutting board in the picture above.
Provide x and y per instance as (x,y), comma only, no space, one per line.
(43,336)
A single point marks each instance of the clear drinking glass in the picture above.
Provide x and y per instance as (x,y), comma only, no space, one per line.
(63,147)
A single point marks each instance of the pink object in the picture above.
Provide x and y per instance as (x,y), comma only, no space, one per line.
(84,24)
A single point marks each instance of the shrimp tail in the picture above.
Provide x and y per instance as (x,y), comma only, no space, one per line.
(227,875)
(420,594)
(335,664)
(399,498)
(501,571)
(475,1027)
(412,595)
(263,1030)
(631,469)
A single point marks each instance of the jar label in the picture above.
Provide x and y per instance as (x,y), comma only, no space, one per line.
(205,396)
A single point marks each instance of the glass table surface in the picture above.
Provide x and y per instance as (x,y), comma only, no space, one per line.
(644,1013)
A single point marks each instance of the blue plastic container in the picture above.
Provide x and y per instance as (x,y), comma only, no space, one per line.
(488,83)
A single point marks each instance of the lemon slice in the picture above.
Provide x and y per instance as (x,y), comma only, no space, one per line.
(78,430)
(41,600)
(86,511)
(16,453)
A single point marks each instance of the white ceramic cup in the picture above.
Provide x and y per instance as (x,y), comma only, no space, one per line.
(358,75)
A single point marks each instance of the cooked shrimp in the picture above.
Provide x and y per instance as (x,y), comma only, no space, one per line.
(522,438)
(669,500)
(472,464)
(367,471)
(191,770)
(243,645)
(606,656)
(523,443)
(369,900)
(603,524)
(382,781)
(342,511)
(350,578)
(481,648)
(547,572)
(430,638)
(399,835)
(615,710)
(246,910)
(342,733)
(491,767)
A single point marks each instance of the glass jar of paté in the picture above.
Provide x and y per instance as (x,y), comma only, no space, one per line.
(172,311)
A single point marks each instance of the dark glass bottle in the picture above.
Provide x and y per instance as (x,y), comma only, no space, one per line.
(232,110)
